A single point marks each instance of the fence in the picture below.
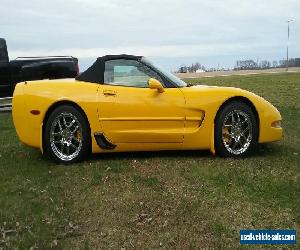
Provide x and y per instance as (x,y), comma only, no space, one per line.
(5,104)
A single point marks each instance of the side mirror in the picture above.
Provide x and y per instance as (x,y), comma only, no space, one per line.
(154,84)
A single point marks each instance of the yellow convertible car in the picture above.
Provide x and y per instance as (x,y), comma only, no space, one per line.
(125,103)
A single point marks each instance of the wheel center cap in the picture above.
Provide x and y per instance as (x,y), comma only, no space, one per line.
(66,136)
(236,131)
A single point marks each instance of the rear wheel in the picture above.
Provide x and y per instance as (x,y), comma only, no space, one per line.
(236,130)
(67,135)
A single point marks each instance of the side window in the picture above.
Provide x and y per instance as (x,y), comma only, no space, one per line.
(129,73)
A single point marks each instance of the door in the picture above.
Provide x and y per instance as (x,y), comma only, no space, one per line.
(130,112)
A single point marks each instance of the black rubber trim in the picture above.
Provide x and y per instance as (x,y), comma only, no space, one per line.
(103,142)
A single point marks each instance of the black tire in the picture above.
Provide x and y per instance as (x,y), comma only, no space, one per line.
(241,138)
(62,137)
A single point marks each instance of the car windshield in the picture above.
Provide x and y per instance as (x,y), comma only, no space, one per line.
(166,73)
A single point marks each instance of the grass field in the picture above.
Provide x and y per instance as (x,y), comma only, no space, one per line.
(150,200)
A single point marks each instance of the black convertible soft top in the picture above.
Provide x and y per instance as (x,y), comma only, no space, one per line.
(95,73)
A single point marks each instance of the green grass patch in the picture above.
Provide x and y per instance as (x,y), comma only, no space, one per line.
(181,200)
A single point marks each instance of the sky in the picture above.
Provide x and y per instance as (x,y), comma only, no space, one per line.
(170,32)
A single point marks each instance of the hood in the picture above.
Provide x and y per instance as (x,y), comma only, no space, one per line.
(202,86)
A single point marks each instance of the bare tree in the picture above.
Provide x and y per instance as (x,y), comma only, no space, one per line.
(192,68)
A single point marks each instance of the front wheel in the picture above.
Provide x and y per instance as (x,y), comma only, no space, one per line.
(236,130)
(66,135)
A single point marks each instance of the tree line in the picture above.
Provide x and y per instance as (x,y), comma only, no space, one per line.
(265,64)
(248,64)
(191,69)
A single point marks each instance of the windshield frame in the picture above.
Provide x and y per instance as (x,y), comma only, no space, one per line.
(168,76)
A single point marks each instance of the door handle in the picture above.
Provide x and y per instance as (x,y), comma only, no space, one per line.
(109,92)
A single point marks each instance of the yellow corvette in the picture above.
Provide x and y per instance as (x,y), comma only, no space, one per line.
(125,103)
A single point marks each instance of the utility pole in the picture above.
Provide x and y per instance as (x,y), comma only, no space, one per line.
(288,40)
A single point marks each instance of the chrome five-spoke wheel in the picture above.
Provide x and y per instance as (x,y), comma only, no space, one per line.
(67,135)
(236,129)
(237,132)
